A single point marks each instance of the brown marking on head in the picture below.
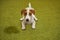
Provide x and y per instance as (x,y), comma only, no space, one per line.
(23,12)
(32,11)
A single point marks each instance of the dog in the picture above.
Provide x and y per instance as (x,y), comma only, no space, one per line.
(28,16)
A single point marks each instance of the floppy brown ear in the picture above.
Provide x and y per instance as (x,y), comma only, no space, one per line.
(32,11)
(23,11)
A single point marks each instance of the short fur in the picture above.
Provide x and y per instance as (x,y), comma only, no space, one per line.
(28,16)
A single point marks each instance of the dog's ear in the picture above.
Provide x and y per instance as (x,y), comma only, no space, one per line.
(23,11)
(32,11)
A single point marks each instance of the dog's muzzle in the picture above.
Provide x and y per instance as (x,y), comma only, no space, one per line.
(27,20)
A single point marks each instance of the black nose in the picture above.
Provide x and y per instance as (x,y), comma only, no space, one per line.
(27,20)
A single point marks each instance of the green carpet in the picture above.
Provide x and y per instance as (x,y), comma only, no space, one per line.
(47,26)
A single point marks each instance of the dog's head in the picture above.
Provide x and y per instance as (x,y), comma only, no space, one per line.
(27,13)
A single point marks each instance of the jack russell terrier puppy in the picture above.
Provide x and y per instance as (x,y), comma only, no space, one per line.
(28,16)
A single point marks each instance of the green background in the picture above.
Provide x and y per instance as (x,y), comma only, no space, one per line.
(47,26)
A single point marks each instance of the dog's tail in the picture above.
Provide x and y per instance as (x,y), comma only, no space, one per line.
(29,5)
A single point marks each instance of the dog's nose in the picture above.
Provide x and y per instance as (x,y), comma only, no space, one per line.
(27,20)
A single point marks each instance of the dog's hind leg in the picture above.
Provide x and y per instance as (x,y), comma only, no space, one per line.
(21,18)
(34,17)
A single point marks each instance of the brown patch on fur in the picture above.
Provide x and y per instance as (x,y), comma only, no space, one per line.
(32,11)
(23,12)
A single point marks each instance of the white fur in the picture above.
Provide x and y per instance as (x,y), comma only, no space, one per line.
(31,18)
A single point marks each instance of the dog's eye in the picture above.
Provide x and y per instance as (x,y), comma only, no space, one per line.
(25,14)
(30,14)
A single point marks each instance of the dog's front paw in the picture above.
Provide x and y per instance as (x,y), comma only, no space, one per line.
(33,27)
(23,28)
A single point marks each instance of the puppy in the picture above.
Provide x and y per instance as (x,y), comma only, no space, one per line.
(28,16)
